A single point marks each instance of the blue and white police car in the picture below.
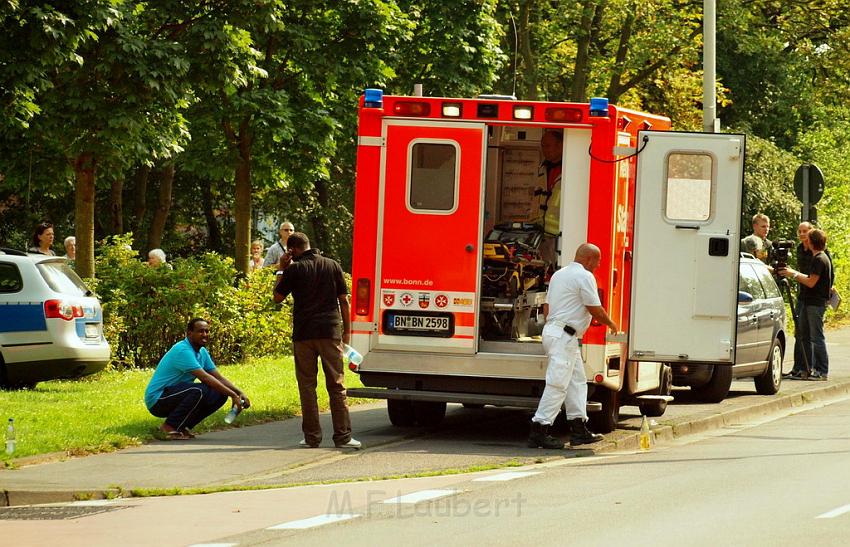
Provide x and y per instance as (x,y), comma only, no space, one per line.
(51,324)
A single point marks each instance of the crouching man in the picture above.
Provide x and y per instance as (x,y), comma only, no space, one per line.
(173,393)
(571,301)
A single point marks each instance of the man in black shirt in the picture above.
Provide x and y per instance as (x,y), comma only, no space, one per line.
(814,295)
(320,298)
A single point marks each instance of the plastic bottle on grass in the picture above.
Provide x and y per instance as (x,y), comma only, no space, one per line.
(352,355)
(10,437)
(645,439)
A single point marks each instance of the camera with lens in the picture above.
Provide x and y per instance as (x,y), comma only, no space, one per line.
(781,252)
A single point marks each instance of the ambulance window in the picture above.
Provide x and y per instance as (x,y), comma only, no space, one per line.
(688,194)
(433,176)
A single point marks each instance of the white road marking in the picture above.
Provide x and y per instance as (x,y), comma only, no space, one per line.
(508,476)
(835,512)
(423,495)
(312,522)
(214,545)
(93,503)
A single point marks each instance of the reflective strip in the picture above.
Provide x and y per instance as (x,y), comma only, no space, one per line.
(362,326)
(20,317)
(371,141)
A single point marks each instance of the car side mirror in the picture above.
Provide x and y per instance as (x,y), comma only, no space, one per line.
(744,297)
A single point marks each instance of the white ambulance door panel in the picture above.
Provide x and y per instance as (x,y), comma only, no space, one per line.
(429,236)
(687,235)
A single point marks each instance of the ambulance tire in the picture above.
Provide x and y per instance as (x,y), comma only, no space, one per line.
(400,412)
(717,388)
(605,420)
(655,409)
(429,413)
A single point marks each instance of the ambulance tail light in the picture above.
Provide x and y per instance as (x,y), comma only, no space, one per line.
(561,114)
(412,108)
(362,297)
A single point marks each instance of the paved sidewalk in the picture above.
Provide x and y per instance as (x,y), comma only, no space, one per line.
(267,455)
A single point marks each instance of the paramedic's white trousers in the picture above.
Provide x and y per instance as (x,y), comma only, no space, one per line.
(566,383)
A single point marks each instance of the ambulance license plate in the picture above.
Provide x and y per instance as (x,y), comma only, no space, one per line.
(418,323)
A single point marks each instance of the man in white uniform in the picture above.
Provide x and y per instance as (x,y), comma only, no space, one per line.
(571,302)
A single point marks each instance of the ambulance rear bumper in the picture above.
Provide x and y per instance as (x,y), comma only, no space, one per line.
(451,397)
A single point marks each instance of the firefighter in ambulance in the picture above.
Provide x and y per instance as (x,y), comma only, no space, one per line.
(549,192)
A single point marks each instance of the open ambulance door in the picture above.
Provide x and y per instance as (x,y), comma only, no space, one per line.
(429,256)
(686,240)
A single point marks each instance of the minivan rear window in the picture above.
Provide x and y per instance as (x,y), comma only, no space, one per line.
(62,279)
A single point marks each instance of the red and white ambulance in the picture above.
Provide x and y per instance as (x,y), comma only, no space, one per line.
(437,177)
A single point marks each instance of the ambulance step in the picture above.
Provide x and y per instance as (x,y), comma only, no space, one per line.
(648,398)
(452,397)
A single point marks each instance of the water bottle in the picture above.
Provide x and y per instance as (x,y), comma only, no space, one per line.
(10,437)
(233,413)
(645,438)
(352,355)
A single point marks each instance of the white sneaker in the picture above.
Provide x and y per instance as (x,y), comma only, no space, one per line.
(353,443)
(304,444)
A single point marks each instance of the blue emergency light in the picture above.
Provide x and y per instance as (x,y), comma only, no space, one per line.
(373,98)
(599,106)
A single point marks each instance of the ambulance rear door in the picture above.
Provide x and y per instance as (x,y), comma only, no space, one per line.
(429,256)
(687,234)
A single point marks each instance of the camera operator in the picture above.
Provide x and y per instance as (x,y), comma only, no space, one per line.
(814,294)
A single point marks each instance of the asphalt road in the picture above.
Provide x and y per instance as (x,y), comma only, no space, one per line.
(779,481)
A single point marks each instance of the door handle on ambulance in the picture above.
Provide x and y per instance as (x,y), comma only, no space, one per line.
(686,227)
(470,247)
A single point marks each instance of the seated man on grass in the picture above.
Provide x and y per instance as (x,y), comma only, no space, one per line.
(173,393)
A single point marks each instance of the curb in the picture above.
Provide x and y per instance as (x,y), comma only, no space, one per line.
(625,441)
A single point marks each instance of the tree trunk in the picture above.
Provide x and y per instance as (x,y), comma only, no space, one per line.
(116,207)
(614,88)
(84,173)
(582,64)
(213,229)
(140,205)
(243,199)
(160,214)
(319,218)
(524,39)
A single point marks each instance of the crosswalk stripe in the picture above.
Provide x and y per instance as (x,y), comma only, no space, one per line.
(319,520)
(423,495)
(835,512)
(507,476)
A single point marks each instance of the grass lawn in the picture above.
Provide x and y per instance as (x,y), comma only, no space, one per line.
(106,411)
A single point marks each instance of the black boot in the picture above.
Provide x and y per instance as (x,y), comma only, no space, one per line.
(579,434)
(540,438)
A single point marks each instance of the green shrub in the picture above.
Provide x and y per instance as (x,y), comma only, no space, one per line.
(146,309)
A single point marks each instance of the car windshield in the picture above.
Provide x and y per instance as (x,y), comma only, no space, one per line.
(62,279)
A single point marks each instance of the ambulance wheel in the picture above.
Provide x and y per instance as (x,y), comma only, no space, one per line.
(717,388)
(605,420)
(429,413)
(655,409)
(400,412)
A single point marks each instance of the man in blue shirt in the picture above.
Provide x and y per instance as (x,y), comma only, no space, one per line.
(172,392)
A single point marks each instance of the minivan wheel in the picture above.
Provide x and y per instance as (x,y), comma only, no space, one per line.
(429,413)
(769,382)
(717,388)
(605,420)
(400,412)
(655,409)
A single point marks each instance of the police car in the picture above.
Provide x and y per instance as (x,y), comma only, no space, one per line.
(51,324)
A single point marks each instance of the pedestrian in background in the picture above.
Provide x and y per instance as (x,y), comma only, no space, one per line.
(255,262)
(814,295)
(757,243)
(70,245)
(278,248)
(321,305)
(42,239)
(156,258)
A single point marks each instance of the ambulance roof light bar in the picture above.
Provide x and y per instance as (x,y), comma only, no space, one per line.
(598,107)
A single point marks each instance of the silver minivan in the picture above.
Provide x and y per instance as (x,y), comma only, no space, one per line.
(761,339)
(51,325)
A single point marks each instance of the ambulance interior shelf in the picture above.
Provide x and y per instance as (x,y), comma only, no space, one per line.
(512,287)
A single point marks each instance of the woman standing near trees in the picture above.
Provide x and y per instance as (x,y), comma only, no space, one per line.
(42,239)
